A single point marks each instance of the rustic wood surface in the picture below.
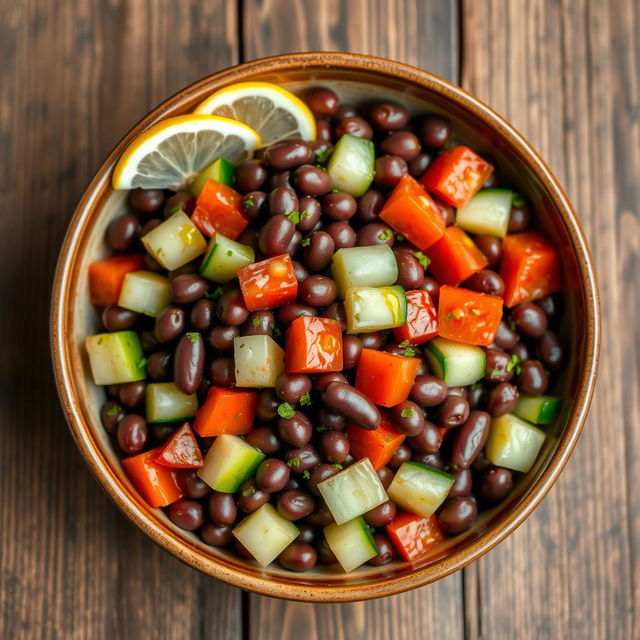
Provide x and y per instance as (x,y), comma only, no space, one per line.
(76,75)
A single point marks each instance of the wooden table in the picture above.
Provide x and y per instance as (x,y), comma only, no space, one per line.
(76,74)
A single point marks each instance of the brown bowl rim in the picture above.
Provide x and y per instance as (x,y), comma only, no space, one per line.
(170,540)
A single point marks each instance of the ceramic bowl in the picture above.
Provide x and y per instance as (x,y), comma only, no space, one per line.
(358,79)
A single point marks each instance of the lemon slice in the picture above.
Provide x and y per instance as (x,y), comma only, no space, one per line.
(169,154)
(274,112)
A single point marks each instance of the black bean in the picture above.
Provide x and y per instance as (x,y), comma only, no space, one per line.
(386,550)
(549,350)
(351,351)
(188,288)
(389,116)
(112,390)
(146,200)
(521,350)
(386,476)
(116,318)
(486,281)
(310,213)
(400,456)
(275,235)
(320,474)
(506,337)
(491,247)
(345,110)
(149,225)
(294,505)
(222,508)
(318,253)
(254,205)
(334,446)
(132,394)
(461,392)
(280,179)
(263,438)
(323,380)
(290,387)
(339,205)
(159,365)
(272,475)
(287,154)
(549,304)
(349,402)
(410,273)
(311,181)
(333,421)
(217,535)
(148,341)
(179,201)
(251,497)
(354,126)
(496,485)
(499,366)
(502,399)
(336,311)
(250,175)
(222,371)
(132,433)
(187,514)
(221,338)
(407,418)
(434,460)
(518,218)
(389,170)
(419,164)
(370,205)
(453,412)
(111,414)
(191,484)
(458,515)
(259,323)
(169,324)
(188,362)
(435,131)
(371,340)
(375,233)
(307,533)
(428,391)
(282,200)
(317,291)
(322,101)
(323,131)
(202,315)
(381,515)
(123,233)
(294,244)
(300,270)
(429,440)
(469,440)
(530,319)
(288,312)
(533,379)
(191,268)
(343,234)
(403,144)
(295,431)
(231,309)
(302,458)
(482,463)
(298,556)
(433,287)
(476,396)
(462,484)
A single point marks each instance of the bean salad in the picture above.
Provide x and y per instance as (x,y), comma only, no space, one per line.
(346,341)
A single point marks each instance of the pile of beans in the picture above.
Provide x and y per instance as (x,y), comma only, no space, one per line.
(288,177)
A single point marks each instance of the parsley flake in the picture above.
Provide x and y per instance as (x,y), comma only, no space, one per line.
(175,209)
(306,242)
(294,216)
(142,363)
(305,400)
(400,237)
(285,410)
(421,258)
(451,316)
(249,491)
(276,329)
(294,462)
(321,428)
(514,364)
(495,372)
(306,475)
(193,337)
(407,413)
(409,352)
(475,312)
(248,202)
(322,155)
(229,253)
(256,322)
(215,294)
(512,324)
(517,200)
(305,214)
(115,410)
(357,317)
(404,344)
(385,235)
(338,466)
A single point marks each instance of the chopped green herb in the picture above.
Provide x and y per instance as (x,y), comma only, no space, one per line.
(305,474)
(421,258)
(249,491)
(335,190)
(294,216)
(451,316)
(321,428)
(193,337)
(400,237)
(305,214)
(100,340)
(159,251)
(229,253)
(512,323)
(175,209)
(475,386)
(357,317)
(142,363)
(248,202)
(256,322)
(338,466)
(495,372)
(237,416)
(275,328)
(285,410)
(475,312)
(322,155)
(514,364)
(305,400)
(306,242)
(517,200)
(215,294)
(409,352)
(294,462)
(385,235)
(407,413)
(404,344)
(115,410)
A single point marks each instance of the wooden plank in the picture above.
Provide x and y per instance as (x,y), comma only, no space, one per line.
(74,77)
(419,33)
(566,74)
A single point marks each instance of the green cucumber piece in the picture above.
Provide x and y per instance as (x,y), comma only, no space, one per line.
(116,357)
(374,266)
(458,364)
(538,409)
(513,443)
(224,257)
(487,212)
(265,534)
(351,165)
(145,292)
(229,462)
(353,491)
(351,542)
(166,403)
(419,488)
(220,171)
(375,308)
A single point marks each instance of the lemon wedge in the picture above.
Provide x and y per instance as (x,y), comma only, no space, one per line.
(170,153)
(274,112)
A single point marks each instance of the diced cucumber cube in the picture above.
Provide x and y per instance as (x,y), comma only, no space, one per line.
(513,443)
(538,409)
(456,363)
(175,241)
(116,357)
(351,542)
(375,308)
(266,534)
(145,292)
(353,491)
(220,171)
(374,266)
(351,165)
(419,488)
(166,403)
(487,212)
(229,462)
(259,360)
(224,257)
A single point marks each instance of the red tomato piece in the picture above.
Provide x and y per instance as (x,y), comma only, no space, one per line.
(313,345)
(378,445)
(414,535)
(226,411)
(181,450)
(106,276)
(468,316)
(455,257)
(269,283)
(456,174)
(422,319)
(530,268)
(157,484)
(385,378)
(411,212)
(219,208)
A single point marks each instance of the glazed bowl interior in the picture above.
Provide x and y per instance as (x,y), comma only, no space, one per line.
(358,80)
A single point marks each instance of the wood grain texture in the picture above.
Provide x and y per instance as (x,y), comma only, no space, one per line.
(424,34)
(74,77)
(566,74)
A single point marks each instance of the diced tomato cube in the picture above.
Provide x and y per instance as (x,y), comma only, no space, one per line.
(422,319)
(378,445)
(313,345)
(219,208)
(181,450)
(455,257)
(226,411)
(414,535)
(269,283)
